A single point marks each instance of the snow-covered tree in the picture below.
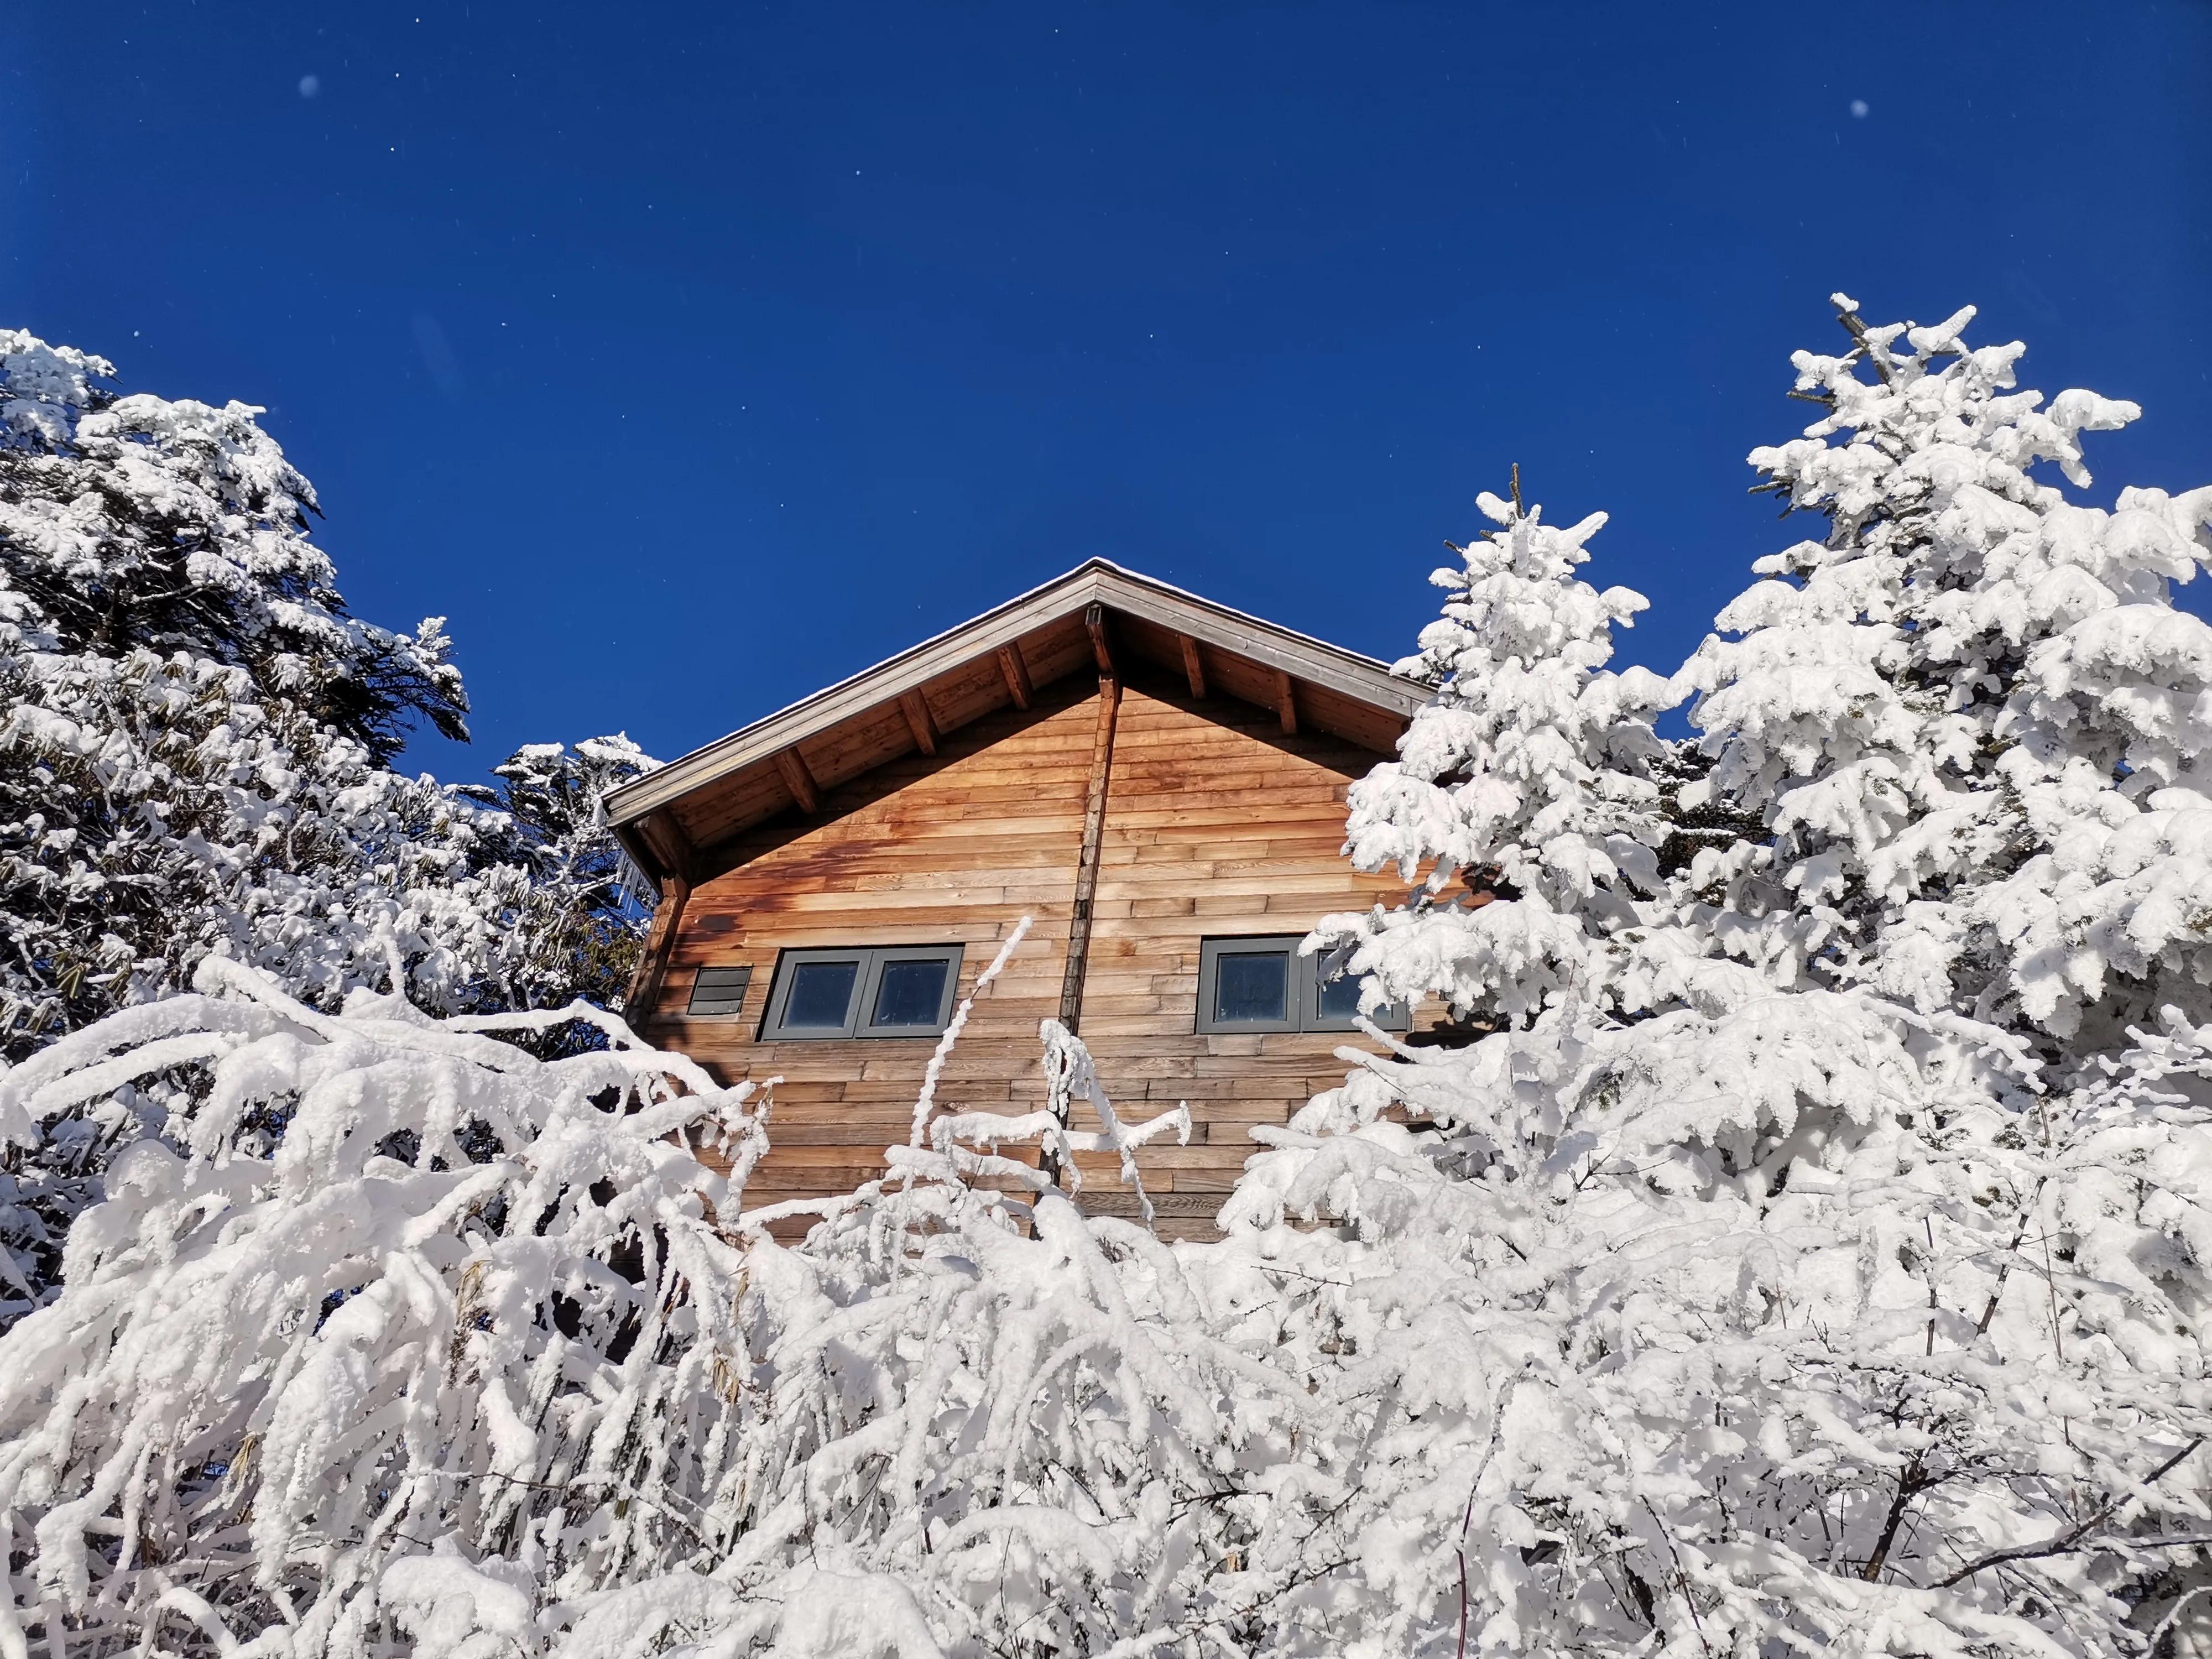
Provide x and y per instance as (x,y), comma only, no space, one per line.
(386,1292)
(1970,715)
(140,523)
(193,731)
(582,923)
(194,735)
(1831,1312)
(1526,789)
(402,1336)
(1788,1329)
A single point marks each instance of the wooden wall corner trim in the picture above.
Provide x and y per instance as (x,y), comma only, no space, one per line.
(1086,869)
(660,941)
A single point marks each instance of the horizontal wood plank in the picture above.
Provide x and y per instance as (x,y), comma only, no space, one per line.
(1218,823)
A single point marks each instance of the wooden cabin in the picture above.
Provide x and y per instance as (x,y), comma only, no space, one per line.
(1157,780)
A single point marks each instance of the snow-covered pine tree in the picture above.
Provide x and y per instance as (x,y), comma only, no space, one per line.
(1792,1318)
(193,740)
(582,922)
(193,731)
(142,523)
(1969,714)
(1526,788)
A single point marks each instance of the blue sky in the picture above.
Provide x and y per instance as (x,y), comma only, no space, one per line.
(691,357)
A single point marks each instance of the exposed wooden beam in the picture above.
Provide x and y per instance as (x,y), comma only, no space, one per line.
(1094,620)
(666,841)
(660,941)
(918,722)
(1312,661)
(1194,666)
(1086,869)
(798,779)
(1018,675)
(1286,704)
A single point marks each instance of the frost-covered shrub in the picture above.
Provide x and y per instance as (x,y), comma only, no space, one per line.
(402,1337)
(393,1313)
(1800,1328)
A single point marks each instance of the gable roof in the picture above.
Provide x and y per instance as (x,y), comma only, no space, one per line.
(1097,617)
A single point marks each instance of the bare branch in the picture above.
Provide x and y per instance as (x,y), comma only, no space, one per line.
(2073,1537)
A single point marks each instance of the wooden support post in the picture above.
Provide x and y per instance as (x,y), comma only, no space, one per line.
(660,941)
(918,722)
(797,779)
(1193,666)
(1094,619)
(1018,675)
(1086,870)
(1286,704)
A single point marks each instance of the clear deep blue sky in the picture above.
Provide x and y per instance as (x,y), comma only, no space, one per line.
(691,357)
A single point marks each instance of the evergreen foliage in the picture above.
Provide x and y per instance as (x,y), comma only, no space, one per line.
(1970,715)
(1528,788)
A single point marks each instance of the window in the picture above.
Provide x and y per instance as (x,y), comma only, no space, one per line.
(885,991)
(718,991)
(1263,984)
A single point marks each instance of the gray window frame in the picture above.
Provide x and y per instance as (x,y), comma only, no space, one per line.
(868,979)
(723,977)
(1305,999)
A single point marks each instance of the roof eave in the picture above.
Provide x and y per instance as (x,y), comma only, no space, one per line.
(1098,580)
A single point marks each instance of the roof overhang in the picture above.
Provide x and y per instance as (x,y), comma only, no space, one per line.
(1089,616)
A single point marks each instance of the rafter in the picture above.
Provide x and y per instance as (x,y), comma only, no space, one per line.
(1194,666)
(1094,622)
(1018,675)
(918,722)
(797,779)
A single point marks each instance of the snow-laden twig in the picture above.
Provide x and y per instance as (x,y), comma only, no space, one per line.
(925,1102)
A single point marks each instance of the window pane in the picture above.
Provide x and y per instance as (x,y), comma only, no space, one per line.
(820,994)
(1339,997)
(910,992)
(1252,985)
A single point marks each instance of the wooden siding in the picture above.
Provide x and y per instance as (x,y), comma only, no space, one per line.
(1217,823)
